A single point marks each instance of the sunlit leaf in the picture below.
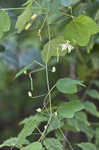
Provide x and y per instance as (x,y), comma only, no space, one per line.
(78,28)
(68,85)
(68,109)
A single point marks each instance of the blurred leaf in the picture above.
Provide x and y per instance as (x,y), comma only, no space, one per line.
(87,146)
(68,109)
(33,146)
(97,16)
(68,85)
(52,144)
(59,135)
(4,22)
(82,117)
(91,108)
(93,93)
(78,28)
(97,136)
(24,69)
(96,82)
(24,18)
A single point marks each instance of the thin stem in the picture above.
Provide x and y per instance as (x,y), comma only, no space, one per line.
(48,95)
(38,96)
(37,70)
(8,9)
(43,134)
(39,63)
(47,78)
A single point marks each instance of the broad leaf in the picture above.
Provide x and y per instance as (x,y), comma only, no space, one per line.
(52,144)
(68,109)
(29,126)
(76,125)
(91,108)
(4,22)
(68,85)
(81,116)
(14,142)
(87,146)
(33,146)
(78,28)
(93,93)
(53,48)
(9,142)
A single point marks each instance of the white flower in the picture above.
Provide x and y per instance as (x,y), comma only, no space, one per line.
(25,72)
(67,46)
(53,69)
(45,127)
(29,94)
(56,113)
(39,110)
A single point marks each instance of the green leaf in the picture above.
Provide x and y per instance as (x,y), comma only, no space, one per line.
(4,22)
(78,125)
(96,82)
(29,125)
(9,142)
(55,124)
(97,136)
(87,146)
(81,116)
(91,108)
(68,109)
(53,48)
(24,69)
(78,28)
(24,18)
(52,144)
(93,93)
(13,142)
(68,85)
(33,146)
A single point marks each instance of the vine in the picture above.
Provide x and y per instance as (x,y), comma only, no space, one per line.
(63,116)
